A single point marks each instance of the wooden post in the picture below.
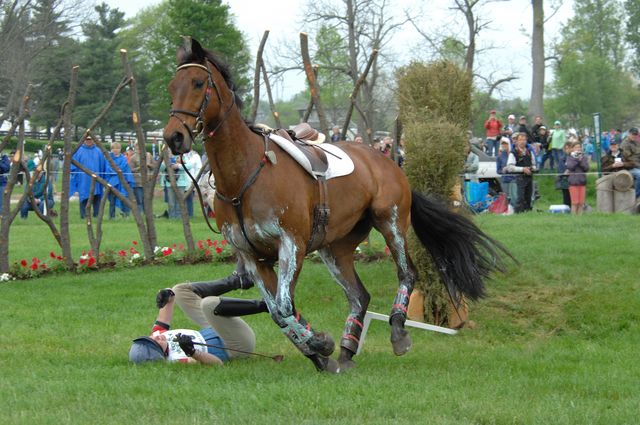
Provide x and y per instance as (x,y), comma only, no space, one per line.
(147,234)
(313,86)
(256,77)
(354,93)
(17,163)
(65,237)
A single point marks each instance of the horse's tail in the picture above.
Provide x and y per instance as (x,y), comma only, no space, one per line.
(463,254)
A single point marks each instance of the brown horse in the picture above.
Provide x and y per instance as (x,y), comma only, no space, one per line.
(266,206)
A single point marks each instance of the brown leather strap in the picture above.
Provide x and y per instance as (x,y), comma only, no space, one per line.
(321,213)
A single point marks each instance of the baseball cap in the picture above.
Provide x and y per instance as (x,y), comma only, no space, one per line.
(557,123)
(523,117)
(613,142)
(511,117)
(542,126)
(504,141)
(634,130)
(145,349)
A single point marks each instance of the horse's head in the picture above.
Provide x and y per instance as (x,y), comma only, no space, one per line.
(196,98)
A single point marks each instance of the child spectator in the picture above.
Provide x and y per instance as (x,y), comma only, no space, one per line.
(577,164)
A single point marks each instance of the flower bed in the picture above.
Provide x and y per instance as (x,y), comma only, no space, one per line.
(206,251)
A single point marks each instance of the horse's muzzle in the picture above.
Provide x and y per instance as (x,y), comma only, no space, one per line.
(177,143)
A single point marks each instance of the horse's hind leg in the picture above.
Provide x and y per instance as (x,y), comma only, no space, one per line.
(339,261)
(392,223)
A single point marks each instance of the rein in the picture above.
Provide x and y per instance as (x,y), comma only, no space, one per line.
(197,188)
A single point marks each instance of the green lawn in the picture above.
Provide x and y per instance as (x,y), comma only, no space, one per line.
(556,342)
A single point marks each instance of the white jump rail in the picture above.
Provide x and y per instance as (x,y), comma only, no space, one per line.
(383,317)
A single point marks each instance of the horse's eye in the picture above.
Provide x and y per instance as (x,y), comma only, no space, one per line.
(198,84)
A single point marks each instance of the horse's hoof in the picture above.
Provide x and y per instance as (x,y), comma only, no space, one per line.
(324,364)
(345,365)
(322,343)
(401,344)
(332,366)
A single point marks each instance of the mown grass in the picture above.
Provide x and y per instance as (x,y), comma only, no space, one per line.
(556,343)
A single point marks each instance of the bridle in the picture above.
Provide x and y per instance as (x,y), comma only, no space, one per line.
(199,116)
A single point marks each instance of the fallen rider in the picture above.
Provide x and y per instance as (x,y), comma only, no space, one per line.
(223,331)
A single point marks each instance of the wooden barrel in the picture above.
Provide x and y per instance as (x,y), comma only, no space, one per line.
(622,180)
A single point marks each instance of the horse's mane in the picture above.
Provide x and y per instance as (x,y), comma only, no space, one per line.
(220,65)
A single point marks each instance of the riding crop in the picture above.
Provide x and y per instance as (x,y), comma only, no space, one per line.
(277,358)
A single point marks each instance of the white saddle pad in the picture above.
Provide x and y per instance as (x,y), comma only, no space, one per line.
(340,164)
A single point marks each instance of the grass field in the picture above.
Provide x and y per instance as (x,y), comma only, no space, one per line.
(556,342)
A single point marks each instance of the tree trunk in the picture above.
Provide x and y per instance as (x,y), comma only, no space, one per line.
(536,105)
(65,237)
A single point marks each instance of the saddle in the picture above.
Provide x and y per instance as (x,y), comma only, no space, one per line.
(305,137)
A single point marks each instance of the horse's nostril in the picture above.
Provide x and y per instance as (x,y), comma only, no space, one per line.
(176,138)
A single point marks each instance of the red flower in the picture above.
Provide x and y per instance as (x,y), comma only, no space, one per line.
(207,252)
(82,261)
(135,242)
(218,250)
(209,243)
(167,252)
(92,261)
(35,260)
(181,246)
(59,257)
(23,263)
(52,254)
(215,243)
(174,246)
(122,253)
(34,266)
(200,245)
(224,242)
(43,266)
(132,250)
(90,254)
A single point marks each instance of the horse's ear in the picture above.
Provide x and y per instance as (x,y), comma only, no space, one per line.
(197,51)
(190,51)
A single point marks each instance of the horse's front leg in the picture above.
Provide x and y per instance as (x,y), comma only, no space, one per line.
(278,293)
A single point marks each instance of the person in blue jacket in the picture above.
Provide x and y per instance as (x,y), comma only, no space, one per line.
(90,156)
(111,176)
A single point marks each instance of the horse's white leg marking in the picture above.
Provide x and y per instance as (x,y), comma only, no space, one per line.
(407,276)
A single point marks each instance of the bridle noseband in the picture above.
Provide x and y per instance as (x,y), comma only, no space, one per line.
(199,116)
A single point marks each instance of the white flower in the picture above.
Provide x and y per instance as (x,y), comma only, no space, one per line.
(5,277)
(157,250)
(84,257)
(135,257)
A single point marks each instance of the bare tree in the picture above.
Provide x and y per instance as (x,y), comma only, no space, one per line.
(27,29)
(537,59)
(448,45)
(367,26)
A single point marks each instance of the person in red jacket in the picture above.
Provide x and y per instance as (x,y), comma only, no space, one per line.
(493,126)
